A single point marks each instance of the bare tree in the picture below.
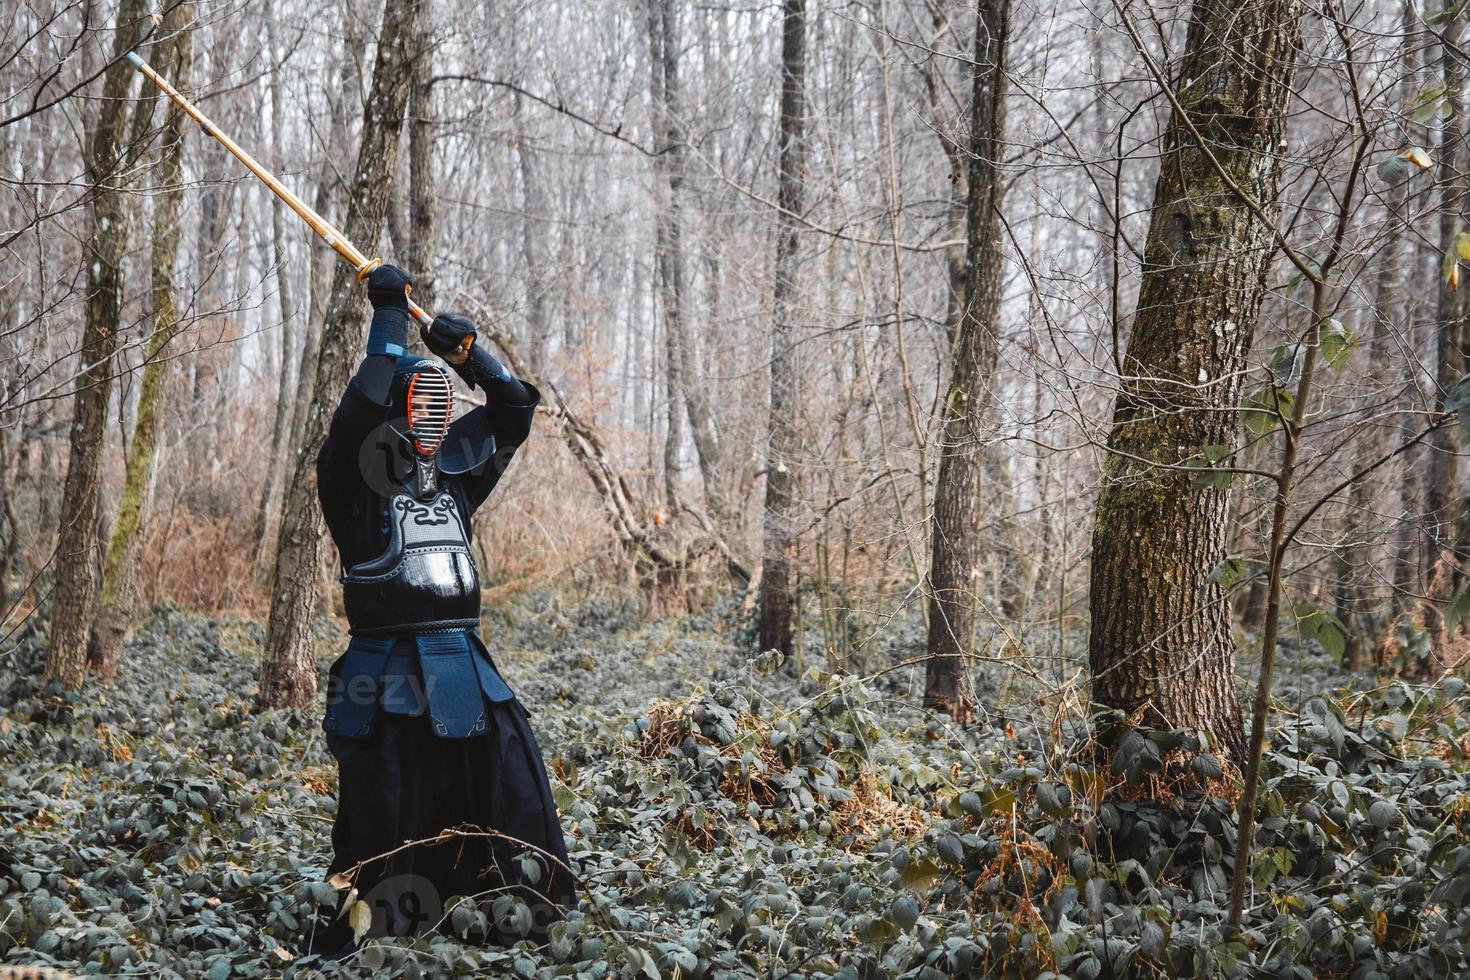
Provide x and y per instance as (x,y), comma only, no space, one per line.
(953,572)
(116,607)
(783,441)
(687,392)
(1447,531)
(422,188)
(288,672)
(1161,648)
(76,588)
(286,381)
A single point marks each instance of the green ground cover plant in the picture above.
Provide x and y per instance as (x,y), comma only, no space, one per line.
(727,818)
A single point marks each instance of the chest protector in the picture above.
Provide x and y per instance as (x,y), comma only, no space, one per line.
(426,581)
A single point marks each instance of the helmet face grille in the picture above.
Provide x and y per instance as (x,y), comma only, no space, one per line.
(430,408)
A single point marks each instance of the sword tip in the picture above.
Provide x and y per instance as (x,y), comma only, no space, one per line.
(136,61)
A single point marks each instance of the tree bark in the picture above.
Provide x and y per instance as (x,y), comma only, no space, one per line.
(1446,523)
(421,217)
(285,382)
(1161,649)
(663,72)
(119,597)
(9,522)
(76,586)
(783,440)
(1441,455)
(534,251)
(329,187)
(288,672)
(1358,556)
(954,549)
(1405,541)
(686,395)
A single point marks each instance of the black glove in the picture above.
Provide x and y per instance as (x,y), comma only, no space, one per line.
(386,287)
(446,335)
(387,291)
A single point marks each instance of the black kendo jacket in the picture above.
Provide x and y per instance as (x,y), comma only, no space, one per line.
(445,672)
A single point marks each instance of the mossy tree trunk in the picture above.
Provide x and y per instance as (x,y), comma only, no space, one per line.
(76,588)
(782,439)
(954,548)
(1161,647)
(288,672)
(115,608)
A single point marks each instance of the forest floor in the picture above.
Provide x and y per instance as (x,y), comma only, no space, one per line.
(728,818)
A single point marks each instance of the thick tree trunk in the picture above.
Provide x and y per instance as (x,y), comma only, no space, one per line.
(1161,648)
(288,673)
(783,441)
(954,549)
(76,586)
(115,609)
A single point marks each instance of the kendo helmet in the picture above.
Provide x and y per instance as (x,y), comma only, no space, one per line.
(424,397)
(421,409)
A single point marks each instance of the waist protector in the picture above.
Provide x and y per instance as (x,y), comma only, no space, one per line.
(424,582)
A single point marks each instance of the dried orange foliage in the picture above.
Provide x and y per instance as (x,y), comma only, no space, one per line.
(1020,854)
(319,779)
(120,744)
(873,813)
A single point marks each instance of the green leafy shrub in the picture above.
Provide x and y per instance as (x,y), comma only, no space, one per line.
(726,818)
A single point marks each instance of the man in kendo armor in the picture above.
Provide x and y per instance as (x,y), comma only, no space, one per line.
(427,735)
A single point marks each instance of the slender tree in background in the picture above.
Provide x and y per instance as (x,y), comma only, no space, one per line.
(286,382)
(1361,604)
(421,186)
(1447,532)
(782,443)
(1440,481)
(688,393)
(1161,647)
(331,188)
(76,586)
(288,673)
(115,607)
(10,526)
(673,286)
(953,569)
(534,248)
(1407,542)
